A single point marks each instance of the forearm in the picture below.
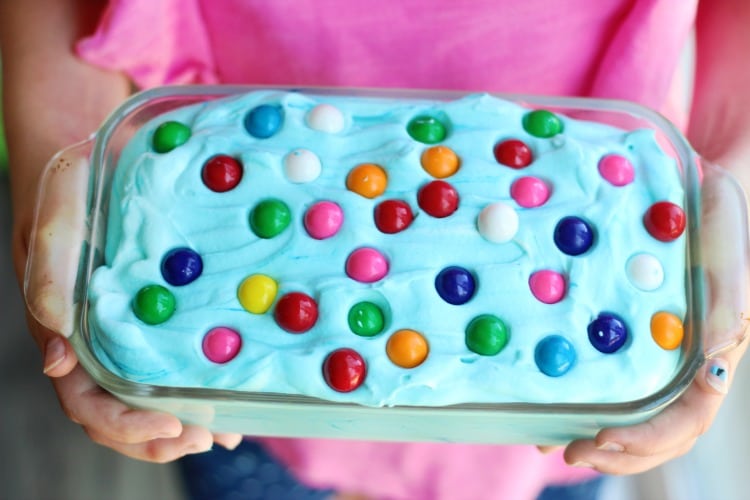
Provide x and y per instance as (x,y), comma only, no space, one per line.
(720,119)
(51,98)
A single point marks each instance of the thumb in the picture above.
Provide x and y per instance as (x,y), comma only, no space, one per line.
(55,245)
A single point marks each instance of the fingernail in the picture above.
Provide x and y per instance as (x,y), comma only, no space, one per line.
(232,446)
(716,375)
(54,354)
(582,464)
(194,448)
(608,446)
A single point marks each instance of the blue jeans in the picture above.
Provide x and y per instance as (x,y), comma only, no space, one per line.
(250,473)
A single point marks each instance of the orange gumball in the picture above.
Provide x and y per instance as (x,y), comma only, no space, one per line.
(667,330)
(440,161)
(367,179)
(407,348)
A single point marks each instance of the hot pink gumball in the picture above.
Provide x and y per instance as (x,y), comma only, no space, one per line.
(366,265)
(323,219)
(617,170)
(221,344)
(529,192)
(547,286)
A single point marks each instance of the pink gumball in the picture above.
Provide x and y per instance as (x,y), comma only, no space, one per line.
(323,220)
(529,192)
(221,344)
(366,265)
(617,170)
(547,286)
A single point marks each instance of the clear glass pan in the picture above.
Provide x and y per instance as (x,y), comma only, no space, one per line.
(714,204)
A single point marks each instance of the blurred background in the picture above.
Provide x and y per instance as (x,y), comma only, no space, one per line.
(46,456)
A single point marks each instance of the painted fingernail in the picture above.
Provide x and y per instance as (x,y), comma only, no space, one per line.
(54,354)
(609,446)
(717,374)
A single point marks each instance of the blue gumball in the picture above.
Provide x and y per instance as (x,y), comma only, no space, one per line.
(573,235)
(554,355)
(181,266)
(263,121)
(608,333)
(455,285)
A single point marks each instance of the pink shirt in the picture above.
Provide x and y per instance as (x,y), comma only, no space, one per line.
(624,49)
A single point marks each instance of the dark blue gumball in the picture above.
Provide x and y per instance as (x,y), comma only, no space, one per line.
(455,285)
(181,266)
(573,235)
(554,355)
(263,121)
(608,333)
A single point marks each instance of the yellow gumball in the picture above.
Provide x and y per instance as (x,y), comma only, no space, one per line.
(257,293)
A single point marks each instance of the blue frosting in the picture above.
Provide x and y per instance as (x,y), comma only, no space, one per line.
(159,202)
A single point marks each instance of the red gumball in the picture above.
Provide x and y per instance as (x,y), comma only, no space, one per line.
(393,216)
(438,198)
(513,153)
(665,221)
(221,173)
(344,370)
(296,312)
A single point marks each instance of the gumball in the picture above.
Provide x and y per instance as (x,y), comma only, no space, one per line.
(221,173)
(542,123)
(440,161)
(427,129)
(547,286)
(368,180)
(645,272)
(573,235)
(498,222)
(438,198)
(269,218)
(393,216)
(608,333)
(554,355)
(366,319)
(181,266)
(487,335)
(455,285)
(170,135)
(616,169)
(326,118)
(256,293)
(323,219)
(264,121)
(302,165)
(513,153)
(366,265)
(344,370)
(667,330)
(665,221)
(296,312)
(529,192)
(407,348)
(154,304)
(221,344)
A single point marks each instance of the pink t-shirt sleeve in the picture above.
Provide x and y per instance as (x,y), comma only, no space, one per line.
(153,42)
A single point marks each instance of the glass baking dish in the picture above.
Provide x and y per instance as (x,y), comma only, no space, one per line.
(714,204)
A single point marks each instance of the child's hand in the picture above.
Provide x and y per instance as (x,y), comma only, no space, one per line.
(52,100)
(670,434)
(144,435)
